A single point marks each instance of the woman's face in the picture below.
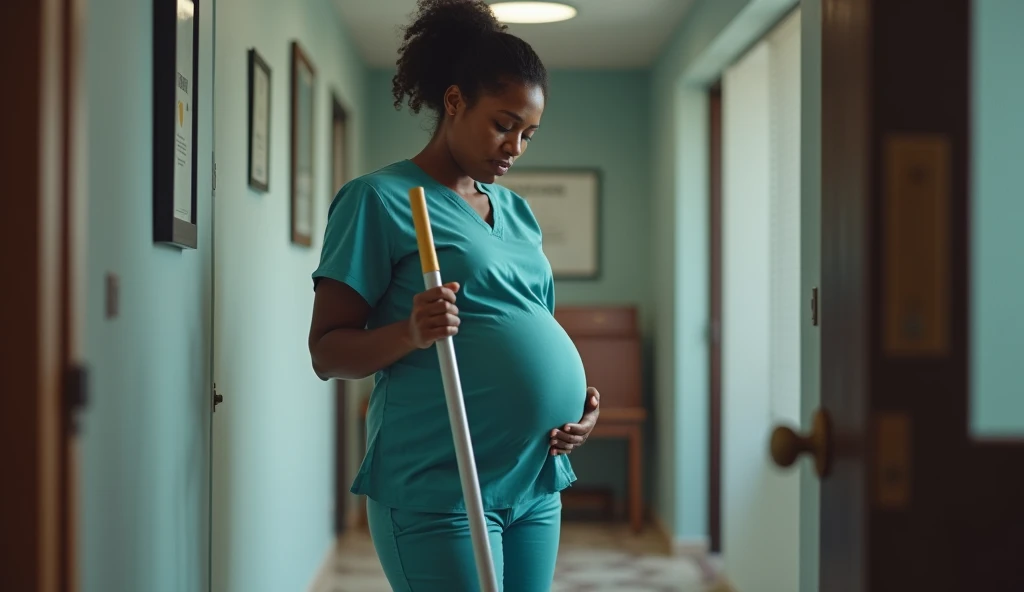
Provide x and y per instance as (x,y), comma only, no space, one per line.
(486,138)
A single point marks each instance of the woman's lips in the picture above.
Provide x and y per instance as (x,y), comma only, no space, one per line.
(500,167)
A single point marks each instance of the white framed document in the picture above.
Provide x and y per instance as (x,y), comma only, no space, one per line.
(566,203)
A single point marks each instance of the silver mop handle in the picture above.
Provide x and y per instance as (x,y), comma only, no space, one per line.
(456,405)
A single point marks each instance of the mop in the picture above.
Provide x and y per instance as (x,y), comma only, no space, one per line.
(456,405)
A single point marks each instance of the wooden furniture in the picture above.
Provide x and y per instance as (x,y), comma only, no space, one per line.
(608,339)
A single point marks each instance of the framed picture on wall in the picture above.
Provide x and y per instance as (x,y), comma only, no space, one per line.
(567,205)
(175,90)
(302,157)
(339,148)
(259,122)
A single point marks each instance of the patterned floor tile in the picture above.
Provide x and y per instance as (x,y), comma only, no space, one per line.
(592,558)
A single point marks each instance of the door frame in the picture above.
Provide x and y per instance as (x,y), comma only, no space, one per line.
(341,493)
(42,313)
(715,313)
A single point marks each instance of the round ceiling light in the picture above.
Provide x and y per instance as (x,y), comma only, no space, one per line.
(532,12)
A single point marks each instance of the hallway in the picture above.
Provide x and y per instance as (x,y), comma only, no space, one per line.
(780,237)
(592,558)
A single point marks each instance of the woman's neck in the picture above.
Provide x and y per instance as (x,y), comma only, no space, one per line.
(437,161)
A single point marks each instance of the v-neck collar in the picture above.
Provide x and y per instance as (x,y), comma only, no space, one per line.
(494,229)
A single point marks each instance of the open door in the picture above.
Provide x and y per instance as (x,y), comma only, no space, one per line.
(919,436)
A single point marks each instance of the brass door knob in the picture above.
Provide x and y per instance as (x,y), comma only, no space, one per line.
(787,445)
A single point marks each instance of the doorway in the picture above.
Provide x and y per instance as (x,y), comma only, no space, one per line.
(760,307)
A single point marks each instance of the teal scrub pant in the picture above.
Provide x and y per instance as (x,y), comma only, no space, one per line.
(423,552)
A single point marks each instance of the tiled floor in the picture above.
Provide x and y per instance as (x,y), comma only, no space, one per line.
(592,558)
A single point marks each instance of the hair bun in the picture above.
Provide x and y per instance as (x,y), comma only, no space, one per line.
(459,42)
(434,42)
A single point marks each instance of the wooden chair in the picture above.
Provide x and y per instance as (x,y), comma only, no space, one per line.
(608,339)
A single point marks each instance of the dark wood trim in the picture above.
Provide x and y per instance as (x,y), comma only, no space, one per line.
(715,318)
(341,485)
(35,525)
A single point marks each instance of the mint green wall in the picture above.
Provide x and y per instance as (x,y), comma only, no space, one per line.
(678,118)
(593,119)
(144,519)
(146,458)
(997,327)
(273,501)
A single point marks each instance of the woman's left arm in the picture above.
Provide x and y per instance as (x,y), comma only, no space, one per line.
(573,435)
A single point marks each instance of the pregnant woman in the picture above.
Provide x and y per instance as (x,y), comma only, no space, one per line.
(525,391)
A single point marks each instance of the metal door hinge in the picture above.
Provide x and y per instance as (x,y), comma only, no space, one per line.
(814,307)
(215,398)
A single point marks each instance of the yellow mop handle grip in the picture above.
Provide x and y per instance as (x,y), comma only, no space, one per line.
(424,236)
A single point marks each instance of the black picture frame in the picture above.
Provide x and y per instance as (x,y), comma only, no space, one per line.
(168,227)
(258,65)
(303,148)
(559,273)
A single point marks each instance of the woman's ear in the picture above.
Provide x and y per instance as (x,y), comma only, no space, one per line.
(453,101)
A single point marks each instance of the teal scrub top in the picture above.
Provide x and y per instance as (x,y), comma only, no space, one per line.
(521,374)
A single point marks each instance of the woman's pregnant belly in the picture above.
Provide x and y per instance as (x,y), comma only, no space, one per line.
(521,377)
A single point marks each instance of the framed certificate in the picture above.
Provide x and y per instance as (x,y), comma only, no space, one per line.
(175,91)
(303,87)
(566,203)
(259,122)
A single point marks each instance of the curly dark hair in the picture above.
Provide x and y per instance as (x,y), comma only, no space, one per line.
(460,42)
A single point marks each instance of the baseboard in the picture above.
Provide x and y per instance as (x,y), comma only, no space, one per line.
(680,546)
(322,578)
(721,584)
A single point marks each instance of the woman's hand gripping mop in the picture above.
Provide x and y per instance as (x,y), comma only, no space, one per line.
(456,405)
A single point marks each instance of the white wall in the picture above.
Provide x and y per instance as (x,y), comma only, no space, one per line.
(761,310)
(273,505)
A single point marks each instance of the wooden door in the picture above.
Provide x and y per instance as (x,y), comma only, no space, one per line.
(41,377)
(341,481)
(917,493)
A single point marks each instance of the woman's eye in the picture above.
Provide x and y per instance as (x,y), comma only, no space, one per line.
(501,129)
(527,138)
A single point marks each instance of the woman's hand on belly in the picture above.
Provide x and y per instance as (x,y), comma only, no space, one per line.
(572,435)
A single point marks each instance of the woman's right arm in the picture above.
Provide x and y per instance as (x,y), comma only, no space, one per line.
(342,347)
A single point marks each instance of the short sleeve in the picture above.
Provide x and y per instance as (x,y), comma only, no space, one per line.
(357,246)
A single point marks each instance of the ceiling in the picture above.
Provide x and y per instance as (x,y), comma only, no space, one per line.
(606,34)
